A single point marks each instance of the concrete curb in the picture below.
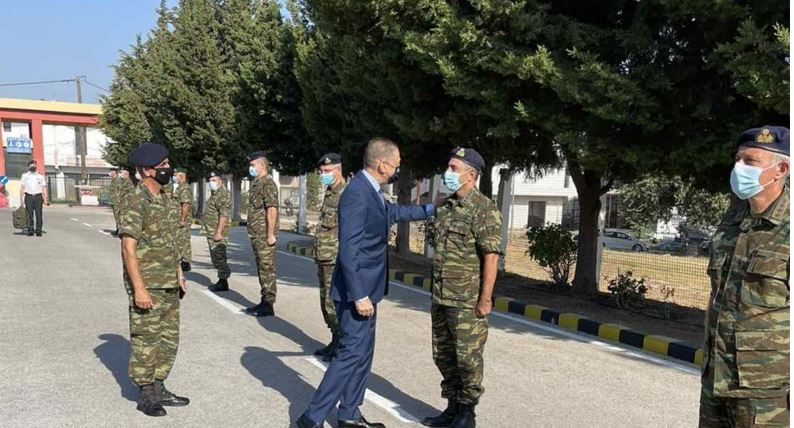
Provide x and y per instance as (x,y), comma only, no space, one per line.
(661,345)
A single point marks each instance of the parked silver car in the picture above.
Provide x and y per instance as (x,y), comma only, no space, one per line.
(620,240)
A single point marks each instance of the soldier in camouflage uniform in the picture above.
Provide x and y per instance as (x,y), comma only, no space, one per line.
(124,188)
(215,226)
(153,279)
(467,245)
(263,231)
(745,379)
(183,196)
(326,245)
(113,193)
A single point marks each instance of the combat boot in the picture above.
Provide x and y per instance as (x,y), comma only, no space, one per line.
(263,309)
(445,418)
(332,348)
(185,266)
(148,402)
(168,398)
(465,417)
(324,351)
(221,285)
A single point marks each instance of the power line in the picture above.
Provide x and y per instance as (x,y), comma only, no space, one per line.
(41,82)
(94,85)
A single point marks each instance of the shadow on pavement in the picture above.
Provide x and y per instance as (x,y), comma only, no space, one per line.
(274,374)
(115,355)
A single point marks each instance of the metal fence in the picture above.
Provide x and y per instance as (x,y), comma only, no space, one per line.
(678,277)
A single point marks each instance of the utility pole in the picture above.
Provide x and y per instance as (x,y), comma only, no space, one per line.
(80,134)
(302,204)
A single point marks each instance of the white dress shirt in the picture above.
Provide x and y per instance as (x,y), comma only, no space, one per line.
(33,182)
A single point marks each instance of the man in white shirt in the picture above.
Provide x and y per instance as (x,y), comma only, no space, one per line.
(33,194)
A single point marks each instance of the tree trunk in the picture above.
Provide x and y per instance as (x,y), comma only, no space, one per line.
(237,184)
(584,280)
(200,199)
(486,180)
(589,189)
(404,186)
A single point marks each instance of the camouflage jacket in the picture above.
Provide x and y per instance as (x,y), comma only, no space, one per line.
(464,230)
(218,205)
(263,194)
(113,190)
(152,220)
(183,195)
(747,330)
(326,243)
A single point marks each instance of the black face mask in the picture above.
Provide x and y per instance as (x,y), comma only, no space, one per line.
(393,179)
(32,168)
(163,175)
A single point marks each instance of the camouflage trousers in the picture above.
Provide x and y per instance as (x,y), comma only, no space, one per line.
(154,336)
(218,257)
(324,274)
(726,412)
(183,236)
(266,268)
(458,344)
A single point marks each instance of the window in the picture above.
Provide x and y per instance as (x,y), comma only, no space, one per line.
(6,126)
(537,214)
(16,164)
(614,220)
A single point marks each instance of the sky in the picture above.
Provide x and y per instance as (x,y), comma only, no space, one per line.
(57,39)
(61,39)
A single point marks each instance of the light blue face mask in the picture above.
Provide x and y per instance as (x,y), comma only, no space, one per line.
(744,180)
(213,186)
(452,181)
(327,178)
(174,180)
(252,171)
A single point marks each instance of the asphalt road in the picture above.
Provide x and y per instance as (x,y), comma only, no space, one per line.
(64,348)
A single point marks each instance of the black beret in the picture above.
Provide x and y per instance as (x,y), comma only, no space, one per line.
(470,156)
(772,138)
(330,159)
(148,154)
(32,161)
(214,174)
(257,155)
(182,170)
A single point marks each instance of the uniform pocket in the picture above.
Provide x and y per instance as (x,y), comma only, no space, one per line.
(766,282)
(762,358)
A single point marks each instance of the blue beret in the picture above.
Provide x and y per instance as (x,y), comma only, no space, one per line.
(330,159)
(148,154)
(257,155)
(470,156)
(772,138)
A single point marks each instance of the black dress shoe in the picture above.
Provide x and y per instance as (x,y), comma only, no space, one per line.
(361,423)
(305,422)
(185,266)
(30,233)
(168,398)
(38,234)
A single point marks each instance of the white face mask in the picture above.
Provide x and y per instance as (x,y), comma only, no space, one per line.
(138,176)
(213,186)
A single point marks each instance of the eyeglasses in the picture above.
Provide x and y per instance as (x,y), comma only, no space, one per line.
(388,163)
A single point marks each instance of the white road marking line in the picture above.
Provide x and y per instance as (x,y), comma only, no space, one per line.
(393,408)
(578,336)
(74,219)
(103,232)
(686,368)
(88,225)
(237,310)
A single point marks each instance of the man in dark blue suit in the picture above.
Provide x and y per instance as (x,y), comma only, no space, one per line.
(360,281)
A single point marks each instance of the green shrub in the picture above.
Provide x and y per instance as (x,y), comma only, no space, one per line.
(627,291)
(554,249)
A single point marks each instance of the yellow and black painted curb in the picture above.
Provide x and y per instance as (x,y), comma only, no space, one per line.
(661,345)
